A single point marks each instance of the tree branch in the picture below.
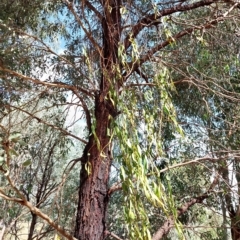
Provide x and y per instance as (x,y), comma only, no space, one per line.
(91,7)
(107,233)
(152,18)
(170,222)
(117,186)
(86,110)
(43,83)
(49,124)
(209,24)
(39,213)
(88,34)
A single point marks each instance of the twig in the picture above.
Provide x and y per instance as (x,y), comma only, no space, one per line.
(107,233)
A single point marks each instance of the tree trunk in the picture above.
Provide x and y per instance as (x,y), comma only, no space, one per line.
(225,220)
(94,176)
(95,169)
(235,227)
(32,226)
(233,214)
(2,229)
(235,221)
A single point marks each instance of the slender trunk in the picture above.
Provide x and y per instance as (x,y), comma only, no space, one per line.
(32,226)
(225,221)
(2,229)
(235,227)
(235,220)
(233,214)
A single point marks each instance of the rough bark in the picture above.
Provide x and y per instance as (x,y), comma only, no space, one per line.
(93,198)
(93,191)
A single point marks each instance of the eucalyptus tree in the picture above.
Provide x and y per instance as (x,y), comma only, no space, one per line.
(215,90)
(120,60)
(35,158)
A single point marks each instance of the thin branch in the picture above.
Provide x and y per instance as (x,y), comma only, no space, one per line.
(45,217)
(6,197)
(142,75)
(61,56)
(64,178)
(91,7)
(153,18)
(107,233)
(86,110)
(89,35)
(209,24)
(43,83)
(198,160)
(50,125)
(39,213)
(170,222)
(118,186)
(140,85)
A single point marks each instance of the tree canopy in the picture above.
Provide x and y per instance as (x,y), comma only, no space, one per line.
(119,119)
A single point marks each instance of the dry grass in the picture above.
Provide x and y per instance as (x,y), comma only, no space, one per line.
(22,232)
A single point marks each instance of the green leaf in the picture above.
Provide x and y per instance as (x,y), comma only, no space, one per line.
(22,143)
(131,215)
(12,152)
(123,174)
(27,163)
(15,137)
